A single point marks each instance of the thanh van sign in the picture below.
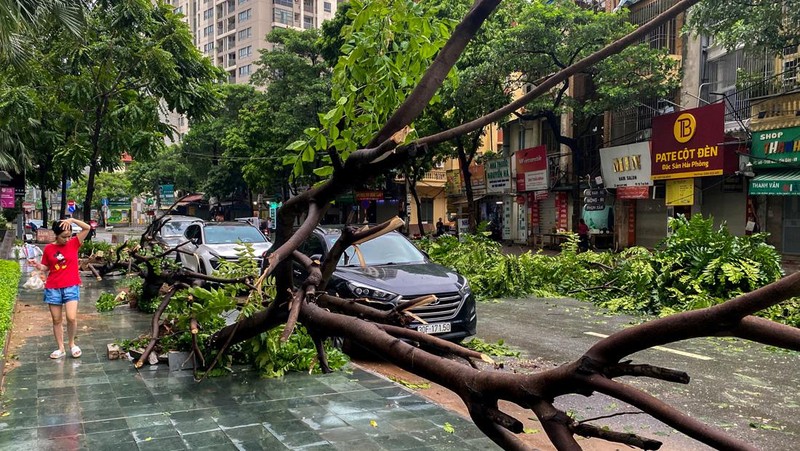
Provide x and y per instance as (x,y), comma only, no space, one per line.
(689,143)
(498,176)
(776,147)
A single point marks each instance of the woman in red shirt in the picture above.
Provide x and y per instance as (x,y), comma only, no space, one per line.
(62,288)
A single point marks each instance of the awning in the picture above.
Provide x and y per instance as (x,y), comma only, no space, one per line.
(776,183)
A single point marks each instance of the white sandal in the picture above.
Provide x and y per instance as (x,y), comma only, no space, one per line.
(57,354)
(76,351)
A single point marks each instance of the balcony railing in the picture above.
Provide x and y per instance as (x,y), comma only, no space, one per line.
(434,176)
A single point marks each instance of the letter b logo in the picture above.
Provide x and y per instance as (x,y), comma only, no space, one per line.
(684,127)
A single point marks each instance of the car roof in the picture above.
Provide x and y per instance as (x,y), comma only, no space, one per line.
(180,218)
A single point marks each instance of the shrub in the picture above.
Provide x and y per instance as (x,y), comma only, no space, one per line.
(695,266)
(10,274)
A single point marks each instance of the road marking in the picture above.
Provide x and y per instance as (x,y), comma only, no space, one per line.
(661,348)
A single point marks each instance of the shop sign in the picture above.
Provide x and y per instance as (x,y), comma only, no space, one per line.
(594,199)
(7,197)
(477,177)
(680,192)
(506,234)
(776,147)
(562,210)
(533,203)
(532,169)
(631,223)
(453,185)
(498,176)
(689,143)
(167,192)
(369,195)
(775,187)
(541,195)
(633,192)
(627,165)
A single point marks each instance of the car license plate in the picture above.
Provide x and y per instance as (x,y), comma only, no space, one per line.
(436,328)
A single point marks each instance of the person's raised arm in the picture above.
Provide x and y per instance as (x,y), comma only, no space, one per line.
(85,228)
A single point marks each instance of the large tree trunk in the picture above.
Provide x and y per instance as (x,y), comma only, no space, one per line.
(464,161)
(412,187)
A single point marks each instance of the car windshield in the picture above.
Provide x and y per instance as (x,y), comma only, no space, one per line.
(229,234)
(174,228)
(388,249)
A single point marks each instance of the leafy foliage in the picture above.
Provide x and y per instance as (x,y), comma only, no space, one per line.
(95,247)
(496,349)
(696,266)
(10,274)
(106,302)
(274,359)
(387,47)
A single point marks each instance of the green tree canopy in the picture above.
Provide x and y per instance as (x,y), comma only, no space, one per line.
(133,59)
(765,24)
(273,120)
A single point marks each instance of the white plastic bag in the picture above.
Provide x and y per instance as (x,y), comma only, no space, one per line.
(35,281)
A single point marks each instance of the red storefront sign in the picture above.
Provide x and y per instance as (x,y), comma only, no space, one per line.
(633,192)
(369,195)
(562,210)
(688,143)
(531,169)
(631,223)
(533,203)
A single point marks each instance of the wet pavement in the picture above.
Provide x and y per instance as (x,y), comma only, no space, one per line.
(750,390)
(96,404)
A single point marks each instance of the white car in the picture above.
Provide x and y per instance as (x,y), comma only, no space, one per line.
(212,242)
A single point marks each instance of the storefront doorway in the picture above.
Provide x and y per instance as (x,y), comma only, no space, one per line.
(791,225)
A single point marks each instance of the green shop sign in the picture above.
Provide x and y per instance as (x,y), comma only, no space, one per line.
(780,183)
(776,147)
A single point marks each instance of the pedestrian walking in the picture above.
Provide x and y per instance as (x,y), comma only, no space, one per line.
(62,287)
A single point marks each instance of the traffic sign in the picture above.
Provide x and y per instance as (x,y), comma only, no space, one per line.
(71,203)
(71,208)
(105,201)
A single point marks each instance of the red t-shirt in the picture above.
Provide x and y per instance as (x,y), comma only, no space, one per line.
(63,264)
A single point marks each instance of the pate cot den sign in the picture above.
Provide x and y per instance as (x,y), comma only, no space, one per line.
(689,143)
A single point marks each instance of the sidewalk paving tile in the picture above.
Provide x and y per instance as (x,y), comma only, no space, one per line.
(96,404)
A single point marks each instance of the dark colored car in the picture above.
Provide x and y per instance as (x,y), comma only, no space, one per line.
(390,269)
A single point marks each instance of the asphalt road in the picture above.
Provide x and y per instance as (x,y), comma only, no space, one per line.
(750,390)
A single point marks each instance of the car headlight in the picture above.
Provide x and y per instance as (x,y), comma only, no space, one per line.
(367,291)
(465,290)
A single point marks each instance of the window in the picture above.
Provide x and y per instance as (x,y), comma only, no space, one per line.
(208,14)
(243,1)
(426,211)
(245,34)
(308,22)
(282,16)
(245,51)
(326,7)
(208,31)
(244,70)
(179,10)
(287,3)
(245,15)
(207,48)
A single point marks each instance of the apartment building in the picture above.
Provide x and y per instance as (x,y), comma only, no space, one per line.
(231,32)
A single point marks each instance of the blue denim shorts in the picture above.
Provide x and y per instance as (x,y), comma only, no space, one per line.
(60,296)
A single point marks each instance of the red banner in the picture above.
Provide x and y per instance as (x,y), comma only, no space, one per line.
(631,223)
(562,210)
